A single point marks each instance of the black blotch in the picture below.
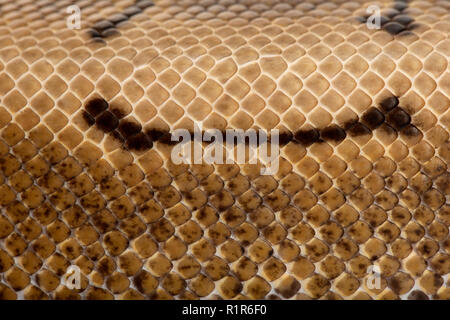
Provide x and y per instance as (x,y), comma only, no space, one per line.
(108,27)
(260,137)
(285,137)
(131,11)
(373,118)
(333,133)
(384,20)
(403,19)
(191,134)
(143,4)
(213,137)
(400,5)
(396,21)
(387,129)
(410,131)
(128,128)
(155,134)
(110,32)
(358,129)
(116,135)
(88,118)
(96,106)
(118,113)
(389,103)
(307,137)
(349,124)
(394,28)
(162,136)
(362,19)
(94,34)
(417,295)
(166,138)
(138,281)
(118,18)
(107,121)
(392,13)
(139,142)
(398,118)
(103,25)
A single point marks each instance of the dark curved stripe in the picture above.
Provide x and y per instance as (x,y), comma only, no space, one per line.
(388,116)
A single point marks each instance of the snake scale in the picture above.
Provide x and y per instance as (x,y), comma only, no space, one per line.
(358,207)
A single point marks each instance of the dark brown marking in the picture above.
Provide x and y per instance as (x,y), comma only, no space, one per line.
(88,118)
(110,32)
(118,113)
(139,142)
(373,118)
(401,5)
(116,135)
(96,106)
(107,122)
(285,137)
(307,137)
(155,134)
(389,103)
(333,133)
(398,118)
(396,22)
(107,28)
(394,27)
(417,295)
(403,19)
(162,136)
(118,18)
(358,129)
(128,128)
(389,118)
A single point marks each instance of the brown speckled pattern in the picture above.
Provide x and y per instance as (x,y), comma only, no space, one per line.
(139,226)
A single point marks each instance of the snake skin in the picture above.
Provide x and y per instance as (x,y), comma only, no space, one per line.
(363,179)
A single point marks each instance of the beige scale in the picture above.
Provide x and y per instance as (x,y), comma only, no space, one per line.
(92,91)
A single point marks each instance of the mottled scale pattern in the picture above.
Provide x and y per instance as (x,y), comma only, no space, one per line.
(86,177)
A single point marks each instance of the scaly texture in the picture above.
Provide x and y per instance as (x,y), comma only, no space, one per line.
(86,177)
